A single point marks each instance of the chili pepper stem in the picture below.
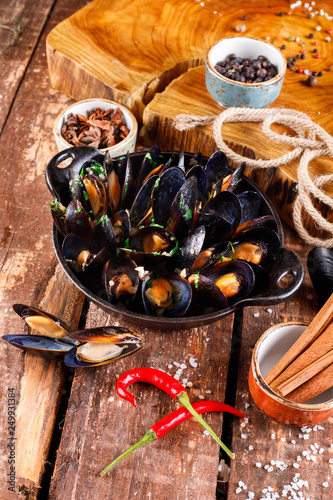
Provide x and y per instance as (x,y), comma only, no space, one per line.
(184,400)
(147,438)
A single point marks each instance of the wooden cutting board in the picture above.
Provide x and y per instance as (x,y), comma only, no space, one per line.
(137,52)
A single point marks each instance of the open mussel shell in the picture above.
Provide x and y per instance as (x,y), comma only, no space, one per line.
(45,323)
(167,295)
(320,267)
(206,293)
(81,255)
(121,279)
(259,245)
(77,221)
(102,345)
(151,245)
(234,278)
(46,346)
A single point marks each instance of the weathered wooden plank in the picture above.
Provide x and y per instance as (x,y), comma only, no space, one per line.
(99,425)
(263,440)
(20,29)
(29,272)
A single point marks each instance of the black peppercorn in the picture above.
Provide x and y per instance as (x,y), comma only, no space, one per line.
(311,35)
(283,47)
(311,81)
(320,73)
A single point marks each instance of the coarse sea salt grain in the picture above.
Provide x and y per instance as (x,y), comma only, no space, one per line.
(250,447)
(258,464)
(243,436)
(256,315)
(325,484)
(273,435)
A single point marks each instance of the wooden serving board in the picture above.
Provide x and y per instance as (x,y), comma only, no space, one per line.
(138,53)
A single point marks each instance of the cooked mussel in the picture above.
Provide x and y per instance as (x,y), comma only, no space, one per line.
(81,255)
(234,278)
(167,295)
(102,345)
(121,279)
(45,323)
(152,244)
(259,246)
(206,293)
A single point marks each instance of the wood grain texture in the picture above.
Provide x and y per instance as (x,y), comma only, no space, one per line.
(99,425)
(262,439)
(29,272)
(188,94)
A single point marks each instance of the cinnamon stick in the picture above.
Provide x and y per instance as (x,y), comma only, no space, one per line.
(306,374)
(317,325)
(313,387)
(322,345)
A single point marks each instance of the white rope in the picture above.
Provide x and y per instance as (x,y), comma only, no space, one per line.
(311,141)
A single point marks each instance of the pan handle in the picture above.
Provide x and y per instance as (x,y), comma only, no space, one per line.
(57,179)
(287,267)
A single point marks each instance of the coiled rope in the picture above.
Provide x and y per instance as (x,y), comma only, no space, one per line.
(311,141)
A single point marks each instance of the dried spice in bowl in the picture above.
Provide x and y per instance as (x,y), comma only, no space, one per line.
(100,129)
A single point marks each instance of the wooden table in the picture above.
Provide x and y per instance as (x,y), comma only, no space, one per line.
(70,425)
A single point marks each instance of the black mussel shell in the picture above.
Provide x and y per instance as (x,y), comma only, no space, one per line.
(82,256)
(250,203)
(241,269)
(216,168)
(44,322)
(104,345)
(205,292)
(142,202)
(150,161)
(202,191)
(183,208)
(104,235)
(97,192)
(232,181)
(190,249)
(77,221)
(44,345)
(121,279)
(320,267)
(151,245)
(121,226)
(210,255)
(164,193)
(262,221)
(168,295)
(264,238)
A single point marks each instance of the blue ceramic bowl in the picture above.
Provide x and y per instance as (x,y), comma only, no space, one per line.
(230,93)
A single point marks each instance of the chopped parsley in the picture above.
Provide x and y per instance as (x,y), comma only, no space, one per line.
(86,195)
(79,223)
(154,163)
(188,214)
(78,210)
(127,243)
(181,202)
(196,280)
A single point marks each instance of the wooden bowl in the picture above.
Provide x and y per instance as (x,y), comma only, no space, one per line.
(230,93)
(82,107)
(268,350)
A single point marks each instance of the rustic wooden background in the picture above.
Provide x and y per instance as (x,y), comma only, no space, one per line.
(95,424)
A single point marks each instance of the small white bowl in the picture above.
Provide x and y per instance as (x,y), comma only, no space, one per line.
(230,93)
(82,107)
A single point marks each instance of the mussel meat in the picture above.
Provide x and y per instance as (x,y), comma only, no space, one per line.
(45,323)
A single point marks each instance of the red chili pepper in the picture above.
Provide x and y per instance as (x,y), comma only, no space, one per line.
(170,421)
(169,385)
